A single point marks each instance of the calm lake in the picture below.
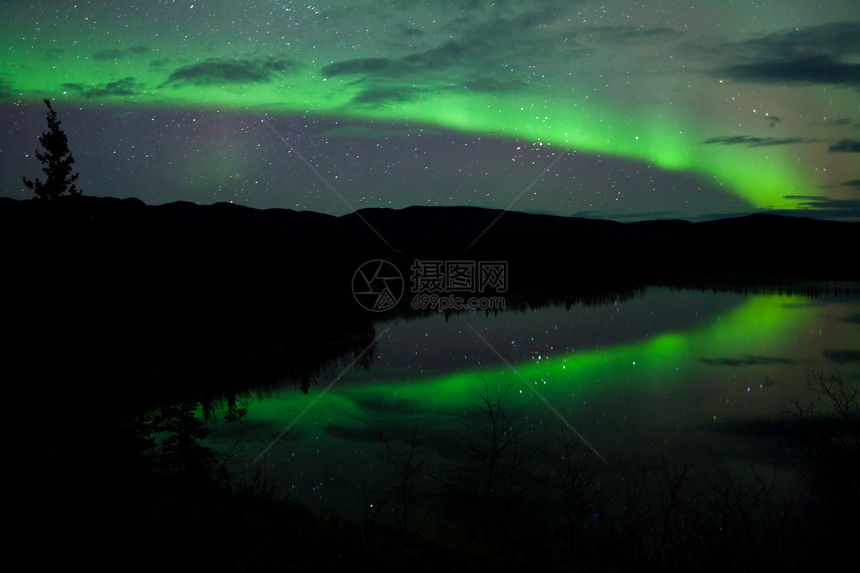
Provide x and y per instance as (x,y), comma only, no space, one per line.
(683,376)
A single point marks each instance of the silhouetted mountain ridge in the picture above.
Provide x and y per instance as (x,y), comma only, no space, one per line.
(244,239)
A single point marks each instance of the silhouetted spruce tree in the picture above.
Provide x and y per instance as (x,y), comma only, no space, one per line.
(57,160)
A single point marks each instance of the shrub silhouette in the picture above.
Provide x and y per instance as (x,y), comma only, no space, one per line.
(828,440)
(57,162)
(491,483)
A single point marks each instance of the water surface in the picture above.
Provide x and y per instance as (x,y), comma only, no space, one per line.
(683,376)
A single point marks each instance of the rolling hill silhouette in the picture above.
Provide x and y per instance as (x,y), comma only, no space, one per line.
(113,247)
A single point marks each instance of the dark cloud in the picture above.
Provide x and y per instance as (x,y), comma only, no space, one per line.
(381,431)
(842,356)
(368,132)
(382,406)
(779,429)
(497,29)
(626,34)
(827,207)
(125,87)
(806,70)
(747,360)
(108,55)
(471,51)
(381,95)
(383,74)
(462,5)
(751,141)
(834,39)
(844,121)
(853,183)
(840,122)
(823,54)
(846,146)
(159,63)
(449,54)
(219,71)
(394,432)
(852,319)
(805,197)
(359,66)
(356,434)
(492,85)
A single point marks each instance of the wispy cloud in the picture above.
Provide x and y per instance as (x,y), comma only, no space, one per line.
(846,146)
(379,95)
(125,87)
(109,55)
(806,70)
(360,131)
(842,356)
(220,71)
(751,141)
(466,59)
(747,360)
(823,54)
(827,207)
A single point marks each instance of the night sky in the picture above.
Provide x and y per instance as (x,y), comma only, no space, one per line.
(623,110)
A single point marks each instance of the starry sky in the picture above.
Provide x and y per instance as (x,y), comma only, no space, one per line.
(622,110)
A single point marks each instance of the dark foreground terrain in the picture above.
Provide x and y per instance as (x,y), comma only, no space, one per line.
(121,319)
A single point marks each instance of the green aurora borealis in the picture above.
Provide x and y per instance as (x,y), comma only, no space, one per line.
(733,106)
(677,391)
(666,358)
